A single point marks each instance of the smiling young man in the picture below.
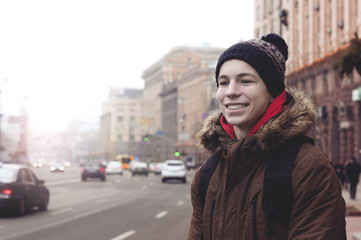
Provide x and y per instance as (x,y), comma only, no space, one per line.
(258,118)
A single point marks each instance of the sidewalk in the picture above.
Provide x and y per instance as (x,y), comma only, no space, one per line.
(353,223)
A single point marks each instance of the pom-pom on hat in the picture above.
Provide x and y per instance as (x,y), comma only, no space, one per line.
(267,56)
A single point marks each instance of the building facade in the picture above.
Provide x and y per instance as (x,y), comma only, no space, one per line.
(122,122)
(178,92)
(318,33)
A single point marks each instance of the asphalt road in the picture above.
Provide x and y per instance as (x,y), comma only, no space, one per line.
(122,207)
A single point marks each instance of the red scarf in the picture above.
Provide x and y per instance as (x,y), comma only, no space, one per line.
(277,105)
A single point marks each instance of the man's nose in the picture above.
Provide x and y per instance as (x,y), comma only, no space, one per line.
(233,90)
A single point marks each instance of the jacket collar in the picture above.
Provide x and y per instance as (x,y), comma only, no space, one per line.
(297,118)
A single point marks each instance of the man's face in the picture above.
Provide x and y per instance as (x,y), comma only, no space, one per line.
(242,95)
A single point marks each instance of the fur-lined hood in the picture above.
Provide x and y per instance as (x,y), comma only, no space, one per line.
(297,118)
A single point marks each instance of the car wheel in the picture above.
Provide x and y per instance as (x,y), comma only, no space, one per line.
(44,205)
(83,179)
(103,179)
(21,208)
(184,180)
(163,180)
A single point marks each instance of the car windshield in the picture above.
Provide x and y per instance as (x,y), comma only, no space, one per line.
(92,165)
(140,164)
(7,175)
(113,164)
(174,164)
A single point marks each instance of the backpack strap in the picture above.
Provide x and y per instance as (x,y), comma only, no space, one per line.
(206,175)
(278,195)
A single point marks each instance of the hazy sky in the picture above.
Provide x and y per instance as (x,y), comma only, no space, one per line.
(60,58)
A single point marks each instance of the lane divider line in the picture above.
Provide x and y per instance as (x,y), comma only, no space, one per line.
(61,211)
(124,235)
(161,214)
(102,200)
(180,203)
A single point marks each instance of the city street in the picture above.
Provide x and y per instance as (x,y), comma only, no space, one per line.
(122,207)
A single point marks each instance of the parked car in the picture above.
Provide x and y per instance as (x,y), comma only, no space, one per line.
(21,190)
(139,168)
(56,167)
(92,170)
(114,167)
(174,169)
(158,168)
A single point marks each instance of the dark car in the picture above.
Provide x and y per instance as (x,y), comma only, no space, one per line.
(21,190)
(93,170)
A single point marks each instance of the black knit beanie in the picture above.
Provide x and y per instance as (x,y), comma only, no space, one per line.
(267,56)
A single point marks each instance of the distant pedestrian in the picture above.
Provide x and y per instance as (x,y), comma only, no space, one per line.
(353,173)
(340,172)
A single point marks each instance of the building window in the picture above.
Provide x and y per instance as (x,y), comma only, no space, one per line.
(120,137)
(120,119)
(265,9)
(325,82)
(131,137)
(258,13)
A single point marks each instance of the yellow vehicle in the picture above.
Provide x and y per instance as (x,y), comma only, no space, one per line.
(125,160)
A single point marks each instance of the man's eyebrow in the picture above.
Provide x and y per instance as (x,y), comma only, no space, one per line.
(238,75)
(246,74)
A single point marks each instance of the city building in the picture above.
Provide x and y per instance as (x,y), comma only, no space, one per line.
(319,35)
(178,92)
(14,138)
(122,123)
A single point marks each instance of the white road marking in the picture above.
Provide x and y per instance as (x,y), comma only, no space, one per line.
(188,196)
(180,203)
(145,187)
(66,220)
(61,211)
(49,183)
(124,235)
(161,214)
(102,200)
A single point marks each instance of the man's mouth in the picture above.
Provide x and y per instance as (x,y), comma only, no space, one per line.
(236,106)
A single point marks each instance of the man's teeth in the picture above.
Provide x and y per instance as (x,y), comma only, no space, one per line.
(235,106)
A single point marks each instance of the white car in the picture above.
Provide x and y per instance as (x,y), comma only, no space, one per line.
(139,168)
(114,167)
(173,169)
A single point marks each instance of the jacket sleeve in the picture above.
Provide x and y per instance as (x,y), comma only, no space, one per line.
(195,230)
(319,209)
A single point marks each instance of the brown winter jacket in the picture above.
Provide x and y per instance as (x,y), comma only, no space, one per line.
(236,187)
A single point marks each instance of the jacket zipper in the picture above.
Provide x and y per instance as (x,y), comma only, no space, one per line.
(211,217)
(254,217)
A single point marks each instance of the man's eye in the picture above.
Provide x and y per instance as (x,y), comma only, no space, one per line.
(223,83)
(246,81)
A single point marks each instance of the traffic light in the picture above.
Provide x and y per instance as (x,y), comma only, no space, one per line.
(177,154)
(146,138)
